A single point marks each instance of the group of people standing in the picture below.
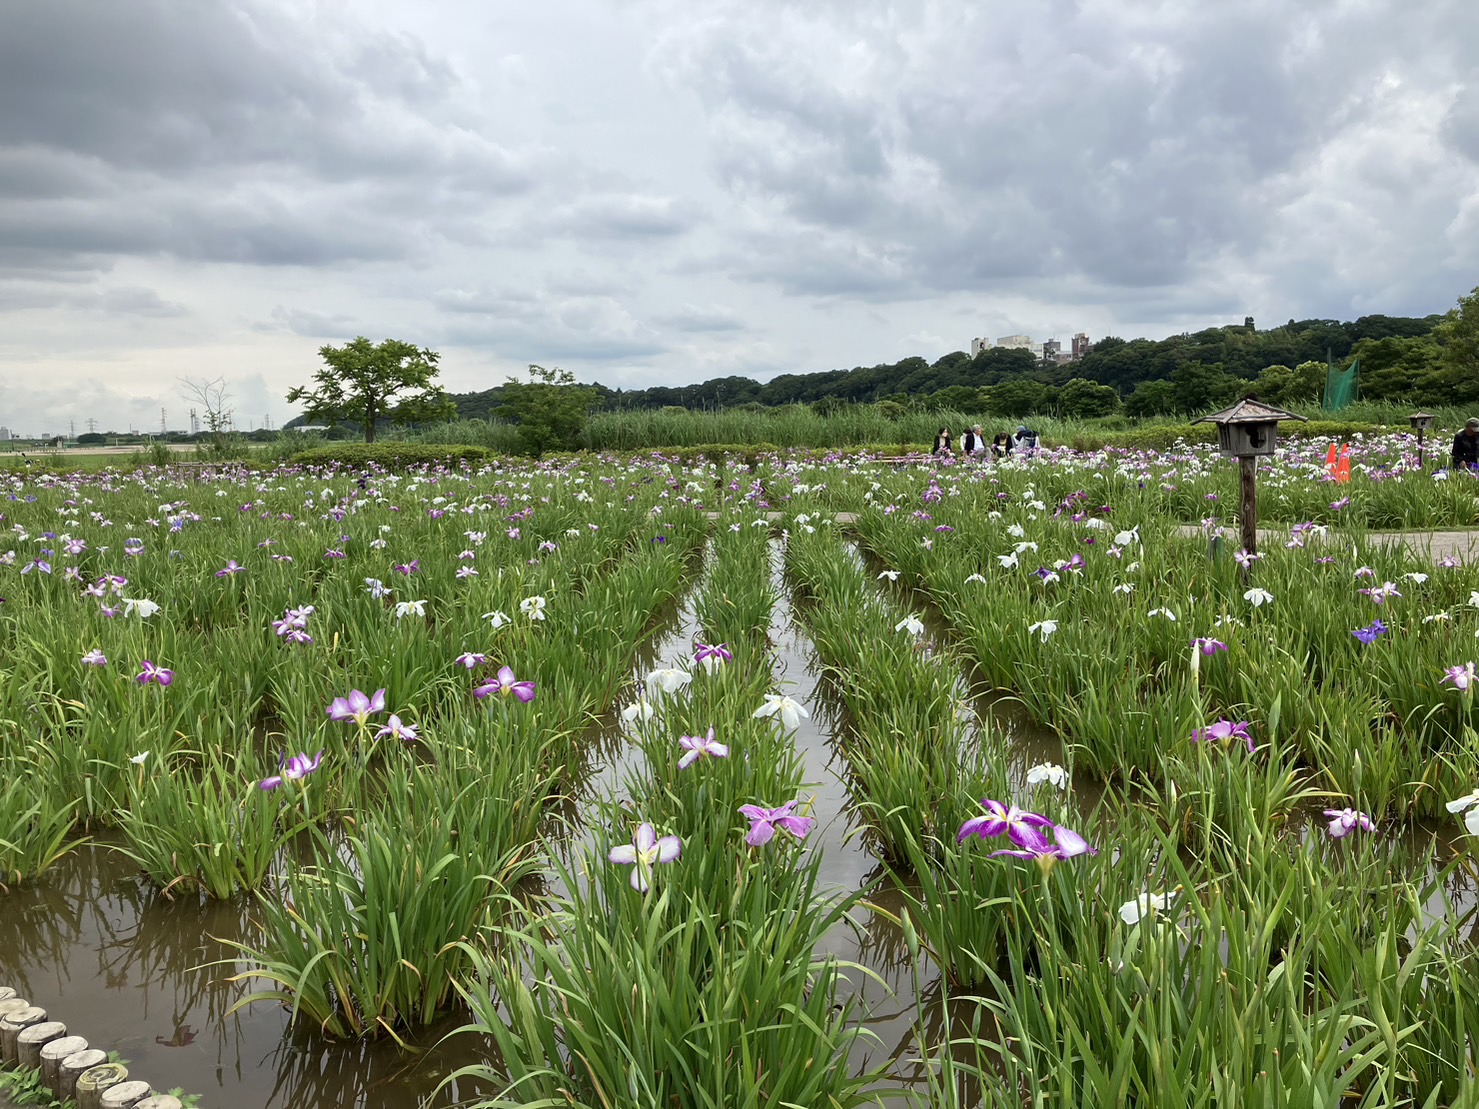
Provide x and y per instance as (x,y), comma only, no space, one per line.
(973,442)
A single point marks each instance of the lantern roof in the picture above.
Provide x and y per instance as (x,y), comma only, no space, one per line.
(1250,411)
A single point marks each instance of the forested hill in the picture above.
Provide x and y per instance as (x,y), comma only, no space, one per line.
(1402,359)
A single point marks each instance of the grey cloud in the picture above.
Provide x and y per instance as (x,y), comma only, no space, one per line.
(700,318)
(534,325)
(123,300)
(233,132)
(948,147)
(310,323)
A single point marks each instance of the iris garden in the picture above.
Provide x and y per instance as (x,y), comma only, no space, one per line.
(403,723)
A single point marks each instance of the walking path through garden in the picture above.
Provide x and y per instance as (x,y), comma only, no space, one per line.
(1435,544)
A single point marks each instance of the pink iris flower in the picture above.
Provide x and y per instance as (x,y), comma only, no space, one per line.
(357,706)
(503,682)
(764,822)
(291,770)
(699,746)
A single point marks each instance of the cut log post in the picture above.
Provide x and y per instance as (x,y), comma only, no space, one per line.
(29,1043)
(13,1024)
(159,1101)
(93,1083)
(51,1059)
(125,1095)
(74,1066)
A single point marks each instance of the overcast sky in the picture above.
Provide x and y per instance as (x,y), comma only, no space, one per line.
(661,192)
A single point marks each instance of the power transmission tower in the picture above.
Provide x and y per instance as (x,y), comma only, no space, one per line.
(162,418)
(92,426)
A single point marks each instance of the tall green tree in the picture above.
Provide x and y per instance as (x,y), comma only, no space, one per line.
(365,383)
(1459,336)
(550,410)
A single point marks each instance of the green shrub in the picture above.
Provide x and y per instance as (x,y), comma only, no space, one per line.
(391,455)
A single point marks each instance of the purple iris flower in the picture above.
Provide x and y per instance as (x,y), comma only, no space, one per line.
(1224,730)
(1345,821)
(1025,829)
(503,682)
(95,657)
(1208,646)
(699,746)
(1067,844)
(406,733)
(644,852)
(152,673)
(408,568)
(229,569)
(712,657)
(471,660)
(764,822)
(1369,635)
(357,706)
(291,770)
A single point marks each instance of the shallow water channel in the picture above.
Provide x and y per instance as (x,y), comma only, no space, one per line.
(130,970)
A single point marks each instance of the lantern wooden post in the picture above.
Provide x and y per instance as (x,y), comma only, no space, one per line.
(1248,501)
(1420,422)
(1245,431)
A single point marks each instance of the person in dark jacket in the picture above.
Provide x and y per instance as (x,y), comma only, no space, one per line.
(968,441)
(942,443)
(1001,446)
(1466,446)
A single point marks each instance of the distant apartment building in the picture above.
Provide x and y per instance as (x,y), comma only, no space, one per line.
(1048,351)
(4,434)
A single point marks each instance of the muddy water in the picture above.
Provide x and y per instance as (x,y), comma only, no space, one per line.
(130,971)
(134,972)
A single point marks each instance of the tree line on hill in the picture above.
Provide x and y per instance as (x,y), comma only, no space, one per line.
(1431,360)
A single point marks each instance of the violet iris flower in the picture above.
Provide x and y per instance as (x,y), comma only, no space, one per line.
(291,770)
(408,568)
(152,673)
(1462,677)
(503,682)
(471,660)
(1208,646)
(1345,821)
(764,822)
(644,852)
(1068,845)
(1025,829)
(95,657)
(1369,635)
(230,568)
(1223,730)
(404,732)
(699,746)
(712,657)
(357,707)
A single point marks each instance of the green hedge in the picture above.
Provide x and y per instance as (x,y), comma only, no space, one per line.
(392,455)
(1165,436)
